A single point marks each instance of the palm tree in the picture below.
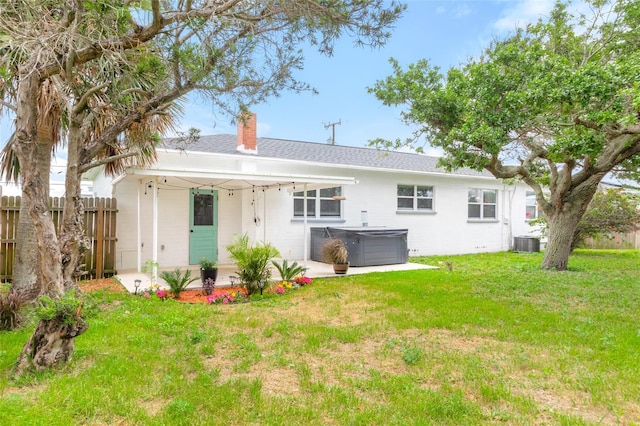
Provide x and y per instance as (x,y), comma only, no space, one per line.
(136,146)
(25,278)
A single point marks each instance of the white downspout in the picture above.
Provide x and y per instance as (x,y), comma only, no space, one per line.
(508,197)
(304,239)
(505,218)
(155,231)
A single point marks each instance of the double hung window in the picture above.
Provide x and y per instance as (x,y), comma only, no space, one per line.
(415,198)
(482,203)
(321,203)
(532,211)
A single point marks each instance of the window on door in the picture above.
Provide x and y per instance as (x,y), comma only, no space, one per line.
(202,209)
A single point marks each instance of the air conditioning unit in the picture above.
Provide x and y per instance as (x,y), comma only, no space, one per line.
(526,244)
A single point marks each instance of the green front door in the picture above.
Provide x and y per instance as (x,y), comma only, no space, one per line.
(203,225)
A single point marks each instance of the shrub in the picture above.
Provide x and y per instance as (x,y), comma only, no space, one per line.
(252,261)
(176,281)
(11,304)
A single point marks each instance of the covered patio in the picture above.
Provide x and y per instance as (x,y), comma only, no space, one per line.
(150,182)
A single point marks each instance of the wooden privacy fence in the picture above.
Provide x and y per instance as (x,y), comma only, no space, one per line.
(630,240)
(99,227)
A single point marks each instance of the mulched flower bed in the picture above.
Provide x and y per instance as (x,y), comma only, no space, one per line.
(222,295)
(187,296)
(197,296)
(109,284)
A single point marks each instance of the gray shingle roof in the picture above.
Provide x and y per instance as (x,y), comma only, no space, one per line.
(320,153)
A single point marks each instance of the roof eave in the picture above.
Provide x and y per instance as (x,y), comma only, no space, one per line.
(283,178)
(333,165)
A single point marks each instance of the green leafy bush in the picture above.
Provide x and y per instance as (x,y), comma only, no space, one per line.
(208,264)
(69,308)
(252,261)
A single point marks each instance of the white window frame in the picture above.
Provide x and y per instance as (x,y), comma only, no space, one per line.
(315,198)
(482,204)
(415,198)
(536,210)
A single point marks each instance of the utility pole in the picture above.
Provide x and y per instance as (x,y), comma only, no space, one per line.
(332,141)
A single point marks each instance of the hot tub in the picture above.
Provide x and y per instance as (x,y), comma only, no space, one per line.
(367,245)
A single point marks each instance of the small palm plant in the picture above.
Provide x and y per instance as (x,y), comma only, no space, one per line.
(177,281)
(289,272)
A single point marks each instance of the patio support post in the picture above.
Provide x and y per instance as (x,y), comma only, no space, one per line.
(155,230)
(304,215)
(264,215)
(139,220)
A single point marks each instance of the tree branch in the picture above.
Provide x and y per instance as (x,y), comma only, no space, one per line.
(106,160)
(80,105)
(12,107)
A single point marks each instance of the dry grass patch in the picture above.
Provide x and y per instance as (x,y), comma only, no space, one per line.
(552,393)
(152,406)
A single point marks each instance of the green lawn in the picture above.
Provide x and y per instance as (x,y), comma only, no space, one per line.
(494,340)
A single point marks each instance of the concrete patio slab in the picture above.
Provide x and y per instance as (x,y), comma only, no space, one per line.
(315,270)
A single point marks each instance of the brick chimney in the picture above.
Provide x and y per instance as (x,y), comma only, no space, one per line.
(247,134)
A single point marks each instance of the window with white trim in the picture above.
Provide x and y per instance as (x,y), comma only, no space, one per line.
(482,203)
(532,211)
(415,198)
(322,203)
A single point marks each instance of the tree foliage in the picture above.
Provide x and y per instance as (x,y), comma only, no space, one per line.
(611,212)
(556,105)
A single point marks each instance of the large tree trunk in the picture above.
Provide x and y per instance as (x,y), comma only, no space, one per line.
(73,242)
(51,344)
(562,229)
(563,220)
(52,341)
(26,277)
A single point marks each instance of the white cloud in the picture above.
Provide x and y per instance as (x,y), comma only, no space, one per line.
(461,11)
(522,13)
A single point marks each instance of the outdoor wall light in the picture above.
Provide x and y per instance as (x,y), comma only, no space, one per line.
(136,284)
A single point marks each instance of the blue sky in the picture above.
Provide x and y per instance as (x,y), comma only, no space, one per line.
(447,32)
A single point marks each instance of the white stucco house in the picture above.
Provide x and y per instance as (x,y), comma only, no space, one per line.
(198,196)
